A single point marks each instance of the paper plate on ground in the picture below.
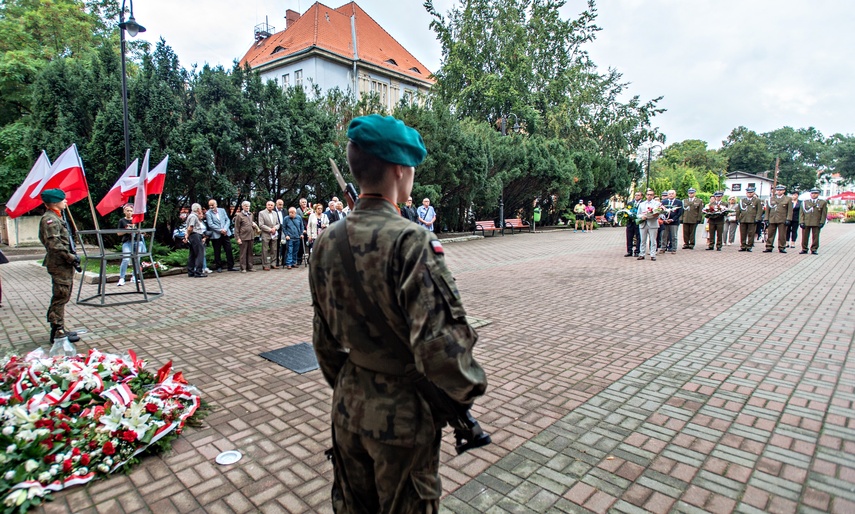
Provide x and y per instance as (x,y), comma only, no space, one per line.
(229,457)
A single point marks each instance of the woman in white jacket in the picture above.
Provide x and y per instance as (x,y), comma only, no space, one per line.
(318,222)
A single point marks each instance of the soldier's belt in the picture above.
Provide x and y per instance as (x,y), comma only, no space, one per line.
(363,361)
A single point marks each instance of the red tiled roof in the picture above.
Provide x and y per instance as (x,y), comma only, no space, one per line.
(329,29)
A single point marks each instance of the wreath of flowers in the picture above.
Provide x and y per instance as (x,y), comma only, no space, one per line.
(650,213)
(68,420)
(715,211)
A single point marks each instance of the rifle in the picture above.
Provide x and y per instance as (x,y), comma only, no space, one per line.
(347,188)
(72,248)
(468,433)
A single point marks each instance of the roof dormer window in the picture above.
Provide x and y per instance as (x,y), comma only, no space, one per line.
(416,70)
(277,50)
(391,61)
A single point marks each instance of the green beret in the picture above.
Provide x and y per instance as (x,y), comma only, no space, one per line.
(388,138)
(53,195)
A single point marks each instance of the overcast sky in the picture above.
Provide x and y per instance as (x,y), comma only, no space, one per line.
(718,64)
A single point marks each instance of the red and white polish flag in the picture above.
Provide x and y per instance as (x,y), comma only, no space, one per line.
(140,194)
(156,178)
(21,202)
(121,191)
(66,174)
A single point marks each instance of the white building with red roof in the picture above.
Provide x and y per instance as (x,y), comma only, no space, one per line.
(343,48)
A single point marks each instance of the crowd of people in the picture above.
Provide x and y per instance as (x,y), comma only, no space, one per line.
(287,235)
(653,224)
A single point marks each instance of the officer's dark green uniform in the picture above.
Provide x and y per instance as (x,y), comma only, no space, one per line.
(779,213)
(59,260)
(749,212)
(716,223)
(812,217)
(692,215)
(386,440)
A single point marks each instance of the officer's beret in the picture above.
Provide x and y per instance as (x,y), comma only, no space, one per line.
(780,187)
(53,195)
(749,190)
(814,190)
(388,138)
(718,193)
(692,190)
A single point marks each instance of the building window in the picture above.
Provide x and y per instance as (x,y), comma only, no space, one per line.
(382,91)
(736,187)
(752,184)
(286,80)
(298,78)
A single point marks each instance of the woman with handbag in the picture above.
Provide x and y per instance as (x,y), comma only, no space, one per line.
(318,222)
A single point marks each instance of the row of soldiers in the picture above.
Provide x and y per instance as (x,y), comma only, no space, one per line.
(749,212)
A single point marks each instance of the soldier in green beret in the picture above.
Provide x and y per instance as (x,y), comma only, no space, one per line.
(812,217)
(60,261)
(385,437)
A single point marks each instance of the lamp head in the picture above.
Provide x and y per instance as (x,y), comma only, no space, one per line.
(132,26)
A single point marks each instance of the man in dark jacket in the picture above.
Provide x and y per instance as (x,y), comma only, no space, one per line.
(292,229)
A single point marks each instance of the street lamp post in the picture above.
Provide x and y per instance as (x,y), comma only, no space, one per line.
(133,28)
(515,129)
(649,151)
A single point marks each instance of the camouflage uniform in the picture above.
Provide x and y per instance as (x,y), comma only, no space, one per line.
(59,261)
(385,438)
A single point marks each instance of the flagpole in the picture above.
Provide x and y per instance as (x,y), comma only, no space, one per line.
(156,210)
(92,208)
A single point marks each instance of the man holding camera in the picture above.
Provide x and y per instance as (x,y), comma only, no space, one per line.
(388,319)
(61,260)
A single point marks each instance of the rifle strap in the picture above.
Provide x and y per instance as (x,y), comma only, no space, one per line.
(372,312)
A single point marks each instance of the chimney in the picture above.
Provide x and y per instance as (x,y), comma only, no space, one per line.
(290,17)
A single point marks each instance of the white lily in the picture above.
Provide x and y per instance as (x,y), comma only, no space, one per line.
(113,419)
(31,466)
(137,420)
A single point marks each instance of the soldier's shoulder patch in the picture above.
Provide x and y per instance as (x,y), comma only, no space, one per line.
(436,246)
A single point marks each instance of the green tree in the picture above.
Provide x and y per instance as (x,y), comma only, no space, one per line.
(711,182)
(747,151)
(801,153)
(840,155)
(688,181)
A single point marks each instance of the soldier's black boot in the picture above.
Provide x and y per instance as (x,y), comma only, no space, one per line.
(72,336)
(53,331)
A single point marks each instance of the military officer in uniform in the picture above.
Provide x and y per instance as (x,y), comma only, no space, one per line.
(692,215)
(749,212)
(716,221)
(60,261)
(779,213)
(812,218)
(385,438)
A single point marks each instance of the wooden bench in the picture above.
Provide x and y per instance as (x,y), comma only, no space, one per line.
(487,226)
(601,221)
(518,224)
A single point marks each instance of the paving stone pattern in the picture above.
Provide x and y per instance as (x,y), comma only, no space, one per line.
(704,381)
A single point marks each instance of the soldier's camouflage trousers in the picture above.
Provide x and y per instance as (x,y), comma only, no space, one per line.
(372,477)
(62,283)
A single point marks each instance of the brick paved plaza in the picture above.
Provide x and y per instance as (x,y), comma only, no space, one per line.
(702,382)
